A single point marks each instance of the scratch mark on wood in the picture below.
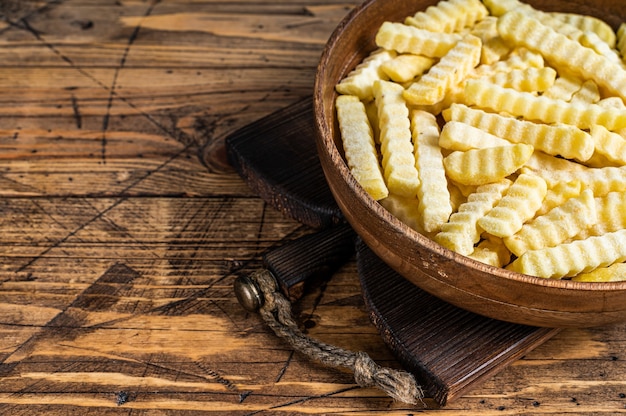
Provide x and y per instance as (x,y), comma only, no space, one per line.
(283,370)
(77,116)
(118,69)
(303,400)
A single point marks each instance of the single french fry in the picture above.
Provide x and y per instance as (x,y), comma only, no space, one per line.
(587,23)
(398,160)
(408,39)
(570,259)
(621,40)
(449,71)
(522,29)
(520,204)
(616,272)
(558,194)
(359,147)
(610,216)
(529,79)
(519,58)
(461,231)
(359,81)
(449,16)
(610,145)
(406,67)
(500,7)
(494,47)
(457,135)
(556,139)
(541,161)
(404,209)
(555,227)
(434,199)
(481,166)
(600,180)
(564,87)
(523,104)
(492,251)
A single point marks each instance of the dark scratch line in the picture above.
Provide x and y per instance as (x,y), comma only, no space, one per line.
(304,399)
(77,116)
(107,115)
(283,370)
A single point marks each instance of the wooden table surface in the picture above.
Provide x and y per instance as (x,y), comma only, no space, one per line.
(123,226)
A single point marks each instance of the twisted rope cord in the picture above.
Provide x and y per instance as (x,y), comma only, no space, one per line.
(276,311)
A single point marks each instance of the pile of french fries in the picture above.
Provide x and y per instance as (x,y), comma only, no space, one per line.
(498,131)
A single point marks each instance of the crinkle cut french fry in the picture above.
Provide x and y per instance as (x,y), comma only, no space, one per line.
(521,29)
(558,194)
(520,204)
(499,7)
(570,259)
(449,71)
(460,136)
(556,139)
(600,180)
(610,145)
(555,227)
(461,231)
(541,161)
(398,160)
(588,93)
(433,196)
(621,39)
(490,164)
(564,88)
(404,209)
(519,58)
(359,147)
(523,104)
(528,79)
(492,251)
(609,218)
(408,39)
(616,272)
(494,47)
(406,67)
(449,16)
(359,81)
(587,23)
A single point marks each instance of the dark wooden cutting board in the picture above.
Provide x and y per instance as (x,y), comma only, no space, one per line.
(449,350)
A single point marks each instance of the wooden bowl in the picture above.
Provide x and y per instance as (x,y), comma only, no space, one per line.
(459,280)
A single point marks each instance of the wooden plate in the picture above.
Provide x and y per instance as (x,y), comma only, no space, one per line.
(461,281)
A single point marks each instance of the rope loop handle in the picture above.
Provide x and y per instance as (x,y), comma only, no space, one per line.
(276,312)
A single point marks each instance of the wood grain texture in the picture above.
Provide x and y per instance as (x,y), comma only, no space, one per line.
(123,226)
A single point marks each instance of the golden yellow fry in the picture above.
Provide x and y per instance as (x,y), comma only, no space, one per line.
(499,7)
(490,164)
(457,135)
(610,145)
(461,231)
(408,39)
(359,147)
(558,194)
(557,226)
(449,71)
(519,58)
(449,16)
(600,180)
(523,104)
(520,204)
(587,23)
(404,209)
(433,196)
(521,29)
(570,259)
(616,272)
(528,79)
(494,47)
(589,93)
(398,161)
(555,139)
(564,87)
(593,41)
(492,251)
(405,67)
(621,39)
(542,161)
(359,81)
(610,215)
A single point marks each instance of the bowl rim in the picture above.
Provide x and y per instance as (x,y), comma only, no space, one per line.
(326,143)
